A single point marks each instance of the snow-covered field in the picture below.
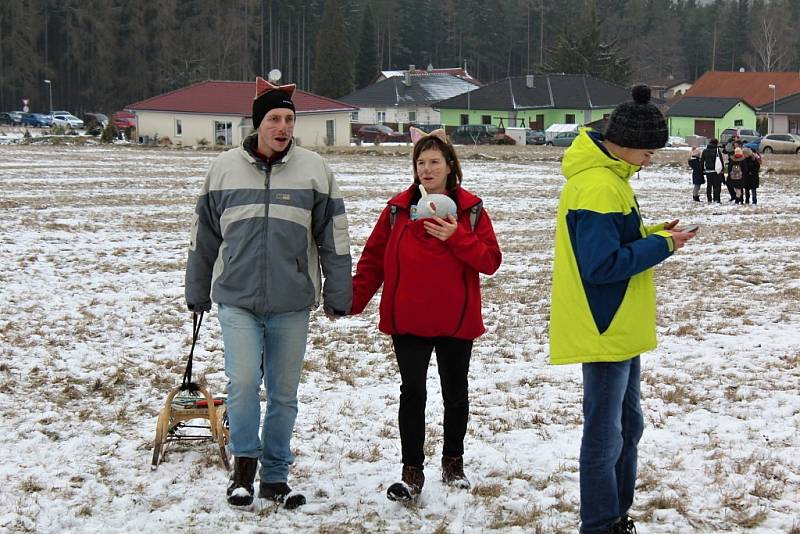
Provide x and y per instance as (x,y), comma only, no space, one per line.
(94,333)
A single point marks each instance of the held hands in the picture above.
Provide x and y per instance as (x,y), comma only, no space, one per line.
(679,236)
(441,229)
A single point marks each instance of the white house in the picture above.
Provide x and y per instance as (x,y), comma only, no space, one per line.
(220,112)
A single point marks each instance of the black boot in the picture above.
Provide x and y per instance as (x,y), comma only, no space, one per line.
(240,490)
(453,472)
(411,486)
(280,492)
(696,199)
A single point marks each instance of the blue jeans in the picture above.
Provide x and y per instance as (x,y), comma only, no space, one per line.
(612,426)
(268,348)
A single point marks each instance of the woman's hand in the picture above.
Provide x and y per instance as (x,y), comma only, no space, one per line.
(442,229)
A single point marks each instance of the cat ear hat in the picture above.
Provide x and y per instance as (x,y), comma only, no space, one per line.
(270,96)
(417,134)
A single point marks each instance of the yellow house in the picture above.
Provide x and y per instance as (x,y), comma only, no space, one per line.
(220,112)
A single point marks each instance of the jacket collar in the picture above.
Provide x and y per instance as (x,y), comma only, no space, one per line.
(250,144)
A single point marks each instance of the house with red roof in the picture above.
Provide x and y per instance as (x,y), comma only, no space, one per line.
(220,112)
(761,90)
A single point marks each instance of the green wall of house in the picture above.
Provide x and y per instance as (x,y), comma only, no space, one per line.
(683,126)
(452,117)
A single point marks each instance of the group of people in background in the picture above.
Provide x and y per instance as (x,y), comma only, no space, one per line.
(270,222)
(740,174)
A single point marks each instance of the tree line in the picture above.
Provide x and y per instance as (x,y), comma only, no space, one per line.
(103,54)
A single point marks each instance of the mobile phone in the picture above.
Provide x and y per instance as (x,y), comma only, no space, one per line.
(691,229)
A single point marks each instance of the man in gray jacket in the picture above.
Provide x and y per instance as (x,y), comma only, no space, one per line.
(268,217)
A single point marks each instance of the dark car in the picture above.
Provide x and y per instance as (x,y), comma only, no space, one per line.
(534,137)
(11,117)
(380,133)
(36,120)
(475,134)
(563,139)
(91,119)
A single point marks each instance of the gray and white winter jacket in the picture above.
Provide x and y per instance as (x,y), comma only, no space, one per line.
(260,232)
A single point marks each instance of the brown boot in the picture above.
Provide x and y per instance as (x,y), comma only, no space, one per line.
(453,472)
(411,486)
(240,490)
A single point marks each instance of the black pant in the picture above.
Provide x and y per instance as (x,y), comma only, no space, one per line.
(713,186)
(413,356)
(747,196)
(731,190)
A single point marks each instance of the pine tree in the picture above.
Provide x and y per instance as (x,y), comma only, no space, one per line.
(333,58)
(367,64)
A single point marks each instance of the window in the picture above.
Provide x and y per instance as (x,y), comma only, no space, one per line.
(223,133)
(794,126)
(486,119)
(412,116)
(178,128)
(464,119)
(381,116)
(738,122)
(569,118)
(354,116)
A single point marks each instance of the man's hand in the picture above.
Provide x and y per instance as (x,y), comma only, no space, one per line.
(443,229)
(679,237)
(671,224)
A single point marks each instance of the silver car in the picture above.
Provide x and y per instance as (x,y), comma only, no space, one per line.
(67,120)
(780,143)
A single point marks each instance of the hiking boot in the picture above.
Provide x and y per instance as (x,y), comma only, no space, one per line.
(280,492)
(453,472)
(411,486)
(240,489)
(623,526)
(696,199)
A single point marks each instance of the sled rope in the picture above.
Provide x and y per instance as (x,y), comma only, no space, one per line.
(197,320)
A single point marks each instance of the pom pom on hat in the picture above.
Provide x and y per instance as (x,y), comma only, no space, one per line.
(696,152)
(637,124)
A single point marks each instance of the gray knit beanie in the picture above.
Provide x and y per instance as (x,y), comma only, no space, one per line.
(637,124)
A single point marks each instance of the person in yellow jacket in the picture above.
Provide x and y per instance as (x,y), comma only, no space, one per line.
(603,309)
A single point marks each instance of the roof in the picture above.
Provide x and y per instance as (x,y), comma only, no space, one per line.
(699,106)
(230,98)
(425,90)
(452,71)
(752,87)
(789,105)
(553,91)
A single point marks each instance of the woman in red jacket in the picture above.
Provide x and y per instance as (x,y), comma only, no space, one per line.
(431,299)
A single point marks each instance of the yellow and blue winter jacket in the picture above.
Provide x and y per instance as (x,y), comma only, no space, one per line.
(603,306)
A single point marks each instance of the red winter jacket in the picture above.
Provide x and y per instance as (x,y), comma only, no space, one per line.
(430,287)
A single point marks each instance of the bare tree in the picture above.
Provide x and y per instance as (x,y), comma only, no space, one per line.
(770,46)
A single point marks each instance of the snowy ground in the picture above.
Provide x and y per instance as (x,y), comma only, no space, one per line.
(94,333)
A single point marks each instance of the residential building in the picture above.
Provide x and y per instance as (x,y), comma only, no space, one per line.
(407,99)
(220,112)
(707,117)
(535,101)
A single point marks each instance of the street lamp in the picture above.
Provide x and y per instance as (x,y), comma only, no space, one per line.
(50,87)
(772,86)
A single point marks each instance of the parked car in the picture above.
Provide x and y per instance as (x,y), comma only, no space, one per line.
(745,134)
(676,141)
(535,137)
(36,120)
(94,118)
(11,117)
(474,134)
(67,120)
(563,139)
(780,143)
(124,119)
(380,133)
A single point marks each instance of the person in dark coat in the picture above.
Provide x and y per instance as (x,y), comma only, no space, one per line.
(698,178)
(712,154)
(750,167)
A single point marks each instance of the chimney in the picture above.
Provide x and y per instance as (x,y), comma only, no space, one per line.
(407,77)
(529,81)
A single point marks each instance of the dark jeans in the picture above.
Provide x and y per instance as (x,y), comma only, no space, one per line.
(713,186)
(612,426)
(747,193)
(731,190)
(413,356)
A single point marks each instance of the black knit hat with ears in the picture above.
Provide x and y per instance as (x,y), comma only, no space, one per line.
(637,124)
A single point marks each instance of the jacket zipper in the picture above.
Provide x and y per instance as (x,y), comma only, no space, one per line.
(397,277)
(267,175)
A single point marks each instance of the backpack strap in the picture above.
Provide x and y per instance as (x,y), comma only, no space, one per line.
(474,213)
(392,215)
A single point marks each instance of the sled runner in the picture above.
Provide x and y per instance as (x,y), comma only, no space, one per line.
(189,403)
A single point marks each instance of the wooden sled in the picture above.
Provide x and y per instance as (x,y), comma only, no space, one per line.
(191,403)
